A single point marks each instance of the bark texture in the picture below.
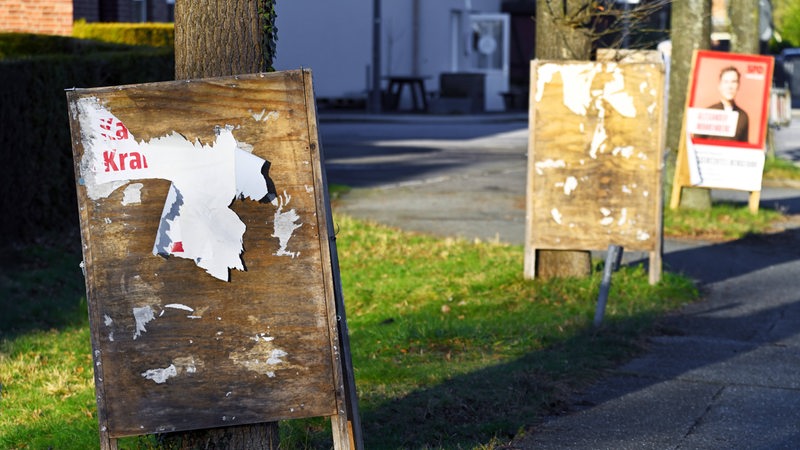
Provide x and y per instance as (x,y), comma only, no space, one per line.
(744,15)
(563,32)
(216,38)
(691,30)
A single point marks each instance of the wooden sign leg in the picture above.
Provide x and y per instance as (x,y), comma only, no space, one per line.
(753,201)
(655,268)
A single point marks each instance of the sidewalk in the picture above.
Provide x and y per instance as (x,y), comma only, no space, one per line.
(721,374)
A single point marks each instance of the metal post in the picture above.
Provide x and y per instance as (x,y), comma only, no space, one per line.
(612,263)
(375,92)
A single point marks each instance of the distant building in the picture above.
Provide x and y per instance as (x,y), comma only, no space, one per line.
(418,38)
(56,16)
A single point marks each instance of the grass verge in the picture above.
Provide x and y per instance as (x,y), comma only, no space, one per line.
(778,169)
(724,221)
(451,347)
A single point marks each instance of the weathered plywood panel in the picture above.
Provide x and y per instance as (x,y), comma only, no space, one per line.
(595,156)
(175,347)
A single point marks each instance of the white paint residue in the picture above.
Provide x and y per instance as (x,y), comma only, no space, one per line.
(108,322)
(186,364)
(181,365)
(245,147)
(577,80)
(570,185)
(549,164)
(626,189)
(556,215)
(645,194)
(284,225)
(626,151)
(132,194)
(642,87)
(543,76)
(196,221)
(179,306)
(275,357)
(161,375)
(623,216)
(264,116)
(607,219)
(642,235)
(614,93)
(263,357)
(598,140)
(263,336)
(142,316)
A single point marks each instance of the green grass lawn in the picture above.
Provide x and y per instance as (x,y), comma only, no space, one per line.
(451,347)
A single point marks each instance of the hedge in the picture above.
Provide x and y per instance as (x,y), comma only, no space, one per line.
(152,34)
(27,45)
(37,184)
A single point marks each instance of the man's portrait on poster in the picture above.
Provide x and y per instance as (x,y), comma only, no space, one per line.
(728,87)
(735,86)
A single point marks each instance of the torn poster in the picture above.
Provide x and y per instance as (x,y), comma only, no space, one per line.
(196,222)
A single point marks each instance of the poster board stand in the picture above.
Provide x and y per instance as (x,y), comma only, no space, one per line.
(595,158)
(723,132)
(211,268)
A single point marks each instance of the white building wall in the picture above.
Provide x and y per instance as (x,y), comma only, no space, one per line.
(334,40)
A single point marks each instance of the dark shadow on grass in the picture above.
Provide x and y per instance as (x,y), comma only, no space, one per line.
(41,285)
(468,411)
(497,402)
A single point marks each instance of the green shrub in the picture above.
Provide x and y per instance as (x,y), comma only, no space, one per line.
(151,34)
(25,45)
(788,24)
(37,184)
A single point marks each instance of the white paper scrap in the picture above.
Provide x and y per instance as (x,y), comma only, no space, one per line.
(196,222)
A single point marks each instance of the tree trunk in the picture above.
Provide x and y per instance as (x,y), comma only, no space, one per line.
(744,26)
(562,33)
(691,30)
(563,30)
(215,38)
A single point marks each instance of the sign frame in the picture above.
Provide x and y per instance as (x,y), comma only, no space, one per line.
(178,349)
(731,155)
(594,176)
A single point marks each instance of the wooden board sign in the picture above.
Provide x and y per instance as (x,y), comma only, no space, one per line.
(595,158)
(210,269)
(723,133)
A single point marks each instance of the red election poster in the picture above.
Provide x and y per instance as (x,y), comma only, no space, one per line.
(726,120)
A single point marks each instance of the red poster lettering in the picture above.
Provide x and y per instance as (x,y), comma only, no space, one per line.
(114,162)
(122,131)
(108,161)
